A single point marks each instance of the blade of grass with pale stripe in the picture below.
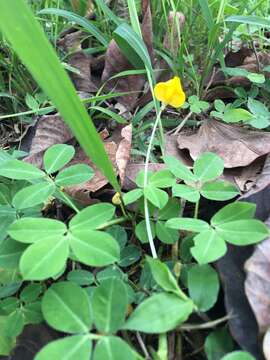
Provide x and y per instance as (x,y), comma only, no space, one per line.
(27,38)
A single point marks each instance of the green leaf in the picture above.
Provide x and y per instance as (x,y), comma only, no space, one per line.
(65,307)
(112,115)
(109,304)
(81,277)
(171,310)
(238,210)
(44,259)
(74,174)
(6,343)
(219,190)
(236,115)
(57,156)
(238,355)
(162,179)
(218,343)
(219,105)
(157,197)
(209,246)
(32,313)
(208,167)
(9,305)
(261,114)
(19,170)
(251,20)
(14,324)
(31,292)
(7,217)
(119,234)
(30,230)
(33,48)
(5,198)
(171,209)
(187,224)
(243,232)
(132,196)
(70,347)
(79,20)
(164,278)
(132,46)
(203,286)
(166,235)
(129,255)
(113,348)
(94,248)
(141,233)
(179,170)
(186,192)
(10,253)
(92,217)
(33,195)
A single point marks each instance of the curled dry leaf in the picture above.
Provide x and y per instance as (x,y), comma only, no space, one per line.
(116,62)
(257,284)
(237,145)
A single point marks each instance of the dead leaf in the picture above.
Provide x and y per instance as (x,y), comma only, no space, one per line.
(257,284)
(238,146)
(123,151)
(116,62)
(82,81)
(266,345)
(50,130)
(81,192)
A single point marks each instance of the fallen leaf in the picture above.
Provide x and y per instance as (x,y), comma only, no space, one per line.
(238,146)
(123,151)
(81,192)
(50,130)
(116,62)
(257,284)
(82,81)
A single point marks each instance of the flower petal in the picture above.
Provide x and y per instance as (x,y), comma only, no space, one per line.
(178,99)
(160,91)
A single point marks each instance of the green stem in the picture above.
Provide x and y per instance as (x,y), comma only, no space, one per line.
(196,211)
(113,222)
(146,209)
(69,202)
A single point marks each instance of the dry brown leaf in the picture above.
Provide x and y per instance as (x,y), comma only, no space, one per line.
(123,151)
(257,284)
(266,345)
(116,62)
(238,146)
(81,192)
(82,81)
(50,130)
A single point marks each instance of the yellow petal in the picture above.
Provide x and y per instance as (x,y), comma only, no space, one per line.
(178,99)
(160,91)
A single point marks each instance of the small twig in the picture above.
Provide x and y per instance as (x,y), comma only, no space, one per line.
(208,325)
(179,127)
(143,347)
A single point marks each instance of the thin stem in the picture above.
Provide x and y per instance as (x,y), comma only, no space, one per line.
(196,211)
(146,209)
(180,127)
(208,325)
(69,202)
(113,222)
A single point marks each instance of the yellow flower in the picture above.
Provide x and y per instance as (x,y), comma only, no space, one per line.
(170,92)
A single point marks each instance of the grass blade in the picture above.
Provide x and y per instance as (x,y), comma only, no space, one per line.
(20,27)
(250,20)
(79,20)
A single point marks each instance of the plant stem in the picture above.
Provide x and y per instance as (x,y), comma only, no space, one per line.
(196,211)
(69,202)
(146,209)
(208,325)
(113,222)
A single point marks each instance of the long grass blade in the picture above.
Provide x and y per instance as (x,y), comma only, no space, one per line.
(79,20)
(25,34)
